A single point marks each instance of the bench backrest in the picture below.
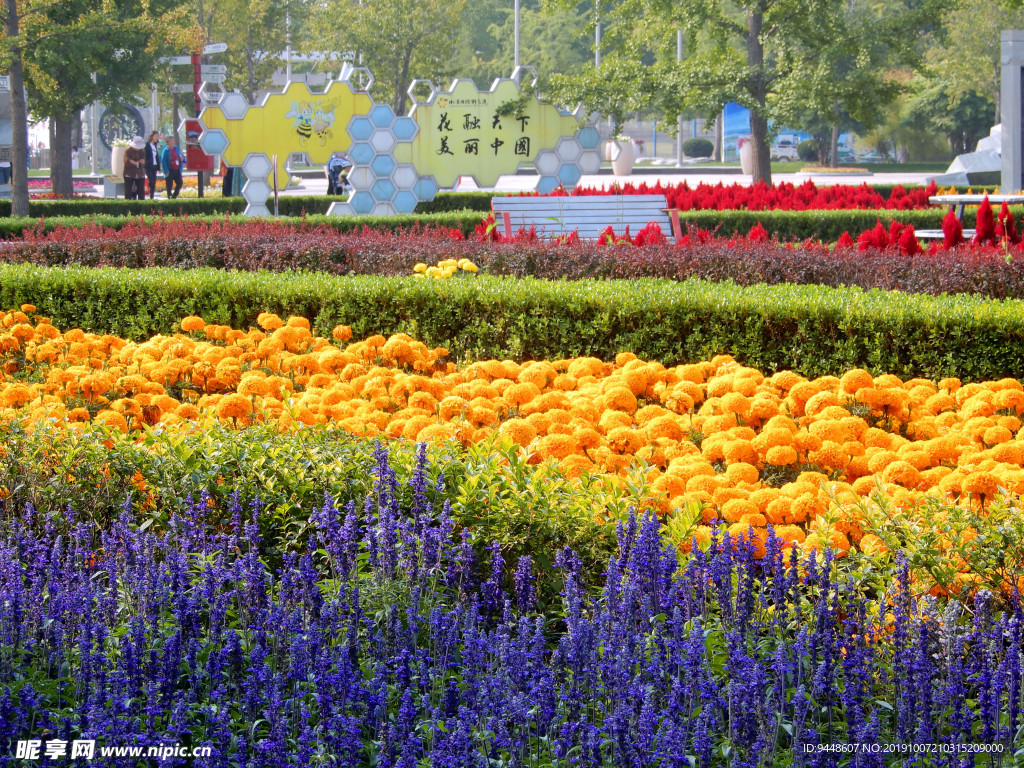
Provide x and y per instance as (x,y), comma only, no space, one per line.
(589,215)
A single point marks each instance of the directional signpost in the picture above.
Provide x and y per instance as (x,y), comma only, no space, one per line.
(214,69)
(212,77)
(215,48)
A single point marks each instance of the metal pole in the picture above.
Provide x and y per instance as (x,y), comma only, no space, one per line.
(154,109)
(288,46)
(679,126)
(597,43)
(516,34)
(94,139)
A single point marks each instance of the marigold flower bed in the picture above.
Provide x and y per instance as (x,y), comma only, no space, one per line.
(748,449)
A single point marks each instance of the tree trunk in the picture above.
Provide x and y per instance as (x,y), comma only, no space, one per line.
(402,86)
(758,121)
(19,116)
(60,157)
(833,158)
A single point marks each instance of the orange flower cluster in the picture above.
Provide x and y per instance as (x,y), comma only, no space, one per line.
(751,449)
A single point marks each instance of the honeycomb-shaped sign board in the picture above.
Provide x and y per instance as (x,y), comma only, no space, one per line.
(296,120)
(484,134)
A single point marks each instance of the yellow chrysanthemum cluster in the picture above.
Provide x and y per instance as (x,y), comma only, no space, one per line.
(750,449)
(445,268)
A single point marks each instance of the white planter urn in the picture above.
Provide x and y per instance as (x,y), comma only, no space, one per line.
(622,157)
(117,161)
(747,158)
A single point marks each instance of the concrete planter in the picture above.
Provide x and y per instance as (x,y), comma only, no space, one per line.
(117,161)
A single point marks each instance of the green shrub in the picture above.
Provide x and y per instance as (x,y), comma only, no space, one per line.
(464,220)
(825,225)
(697,147)
(528,509)
(807,150)
(288,205)
(806,328)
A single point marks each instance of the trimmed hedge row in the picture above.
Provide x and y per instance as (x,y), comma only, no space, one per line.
(288,205)
(810,329)
(785,225)
(466,221)
(824,225)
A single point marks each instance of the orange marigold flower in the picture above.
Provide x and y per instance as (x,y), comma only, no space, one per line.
(983,485)
(193,323)
(781,455)
(235,406)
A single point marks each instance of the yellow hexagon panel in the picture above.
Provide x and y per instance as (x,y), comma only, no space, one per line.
(296,120)
(466,132)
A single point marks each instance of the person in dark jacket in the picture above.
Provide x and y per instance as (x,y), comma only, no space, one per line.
(135,169)
(152,162)
(172,161)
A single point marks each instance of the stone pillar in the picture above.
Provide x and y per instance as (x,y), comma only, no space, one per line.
(1012,104)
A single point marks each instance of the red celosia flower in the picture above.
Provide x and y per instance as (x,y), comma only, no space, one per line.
(758,234)
(985,229)
(952,231)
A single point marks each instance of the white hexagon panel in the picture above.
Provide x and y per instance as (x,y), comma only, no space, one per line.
(297,120)
(401,161)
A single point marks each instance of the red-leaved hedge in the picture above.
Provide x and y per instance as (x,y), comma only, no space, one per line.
(887,258)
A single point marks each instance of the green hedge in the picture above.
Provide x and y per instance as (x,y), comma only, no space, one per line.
(464,220)
(810,329)
(288,205)
(799,225)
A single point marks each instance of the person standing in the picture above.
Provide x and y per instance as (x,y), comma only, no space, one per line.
(135,169)
(152,162)
(172,161)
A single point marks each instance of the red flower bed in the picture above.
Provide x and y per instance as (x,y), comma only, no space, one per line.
(764,197)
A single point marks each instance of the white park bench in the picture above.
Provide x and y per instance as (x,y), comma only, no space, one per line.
(588,215)
(957,203)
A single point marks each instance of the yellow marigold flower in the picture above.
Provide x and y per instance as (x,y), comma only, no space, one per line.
(734,510)
(16,395)
(624,440)
(520,394)
(555,446)
(342,332)
(420,267)
(268,321)
(781,455)
(734,451)
(855,379)
(519,430)
(983,485)
(468,266)
(28,308)
(193,323)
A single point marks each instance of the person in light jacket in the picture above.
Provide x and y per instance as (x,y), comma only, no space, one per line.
(135,169)
(172,161)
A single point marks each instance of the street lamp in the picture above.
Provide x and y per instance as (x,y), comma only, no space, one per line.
(515,26)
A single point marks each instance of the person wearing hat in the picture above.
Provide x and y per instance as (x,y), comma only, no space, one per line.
(135,169)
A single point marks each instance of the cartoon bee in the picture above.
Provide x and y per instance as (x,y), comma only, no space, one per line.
(301,115)
(322,122)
